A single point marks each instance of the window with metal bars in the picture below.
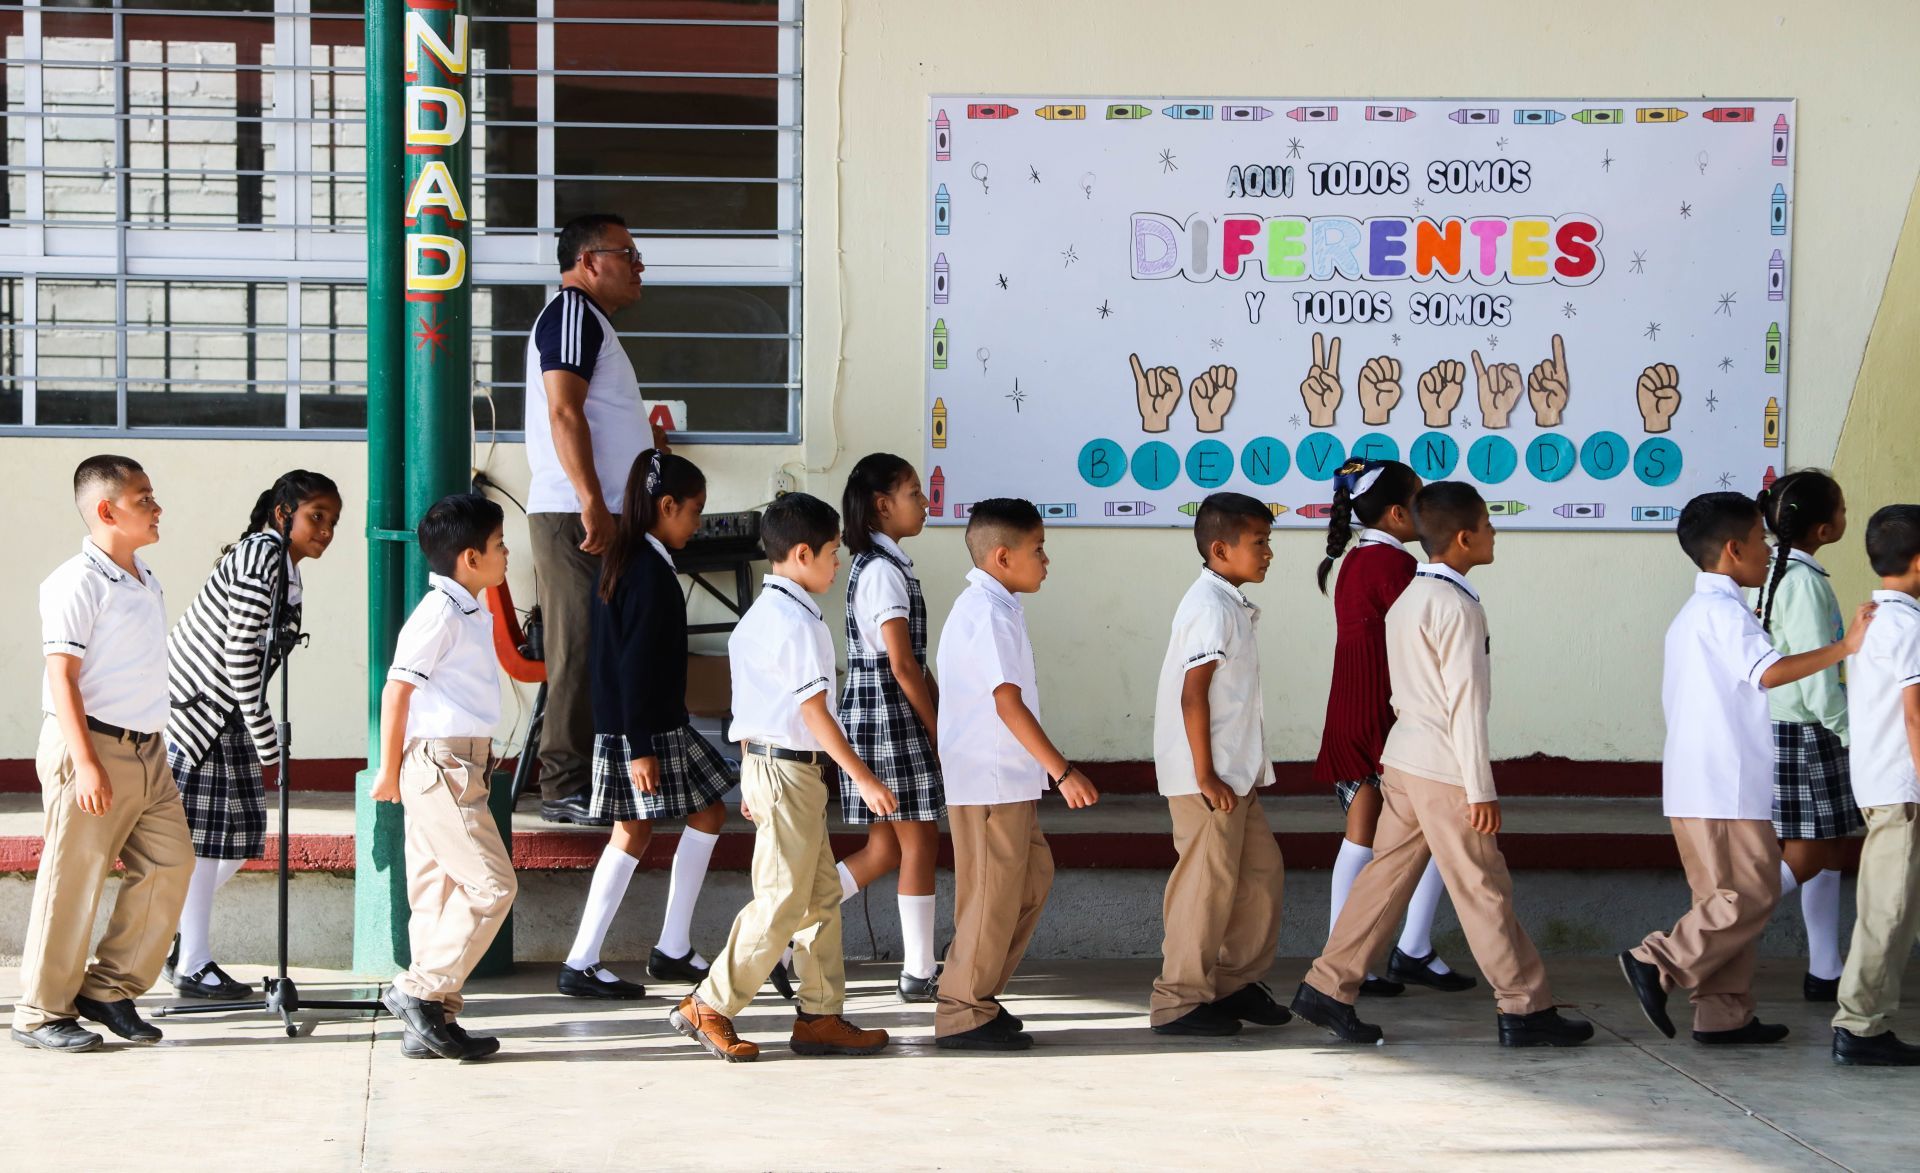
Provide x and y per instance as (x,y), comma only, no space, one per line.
(183,212)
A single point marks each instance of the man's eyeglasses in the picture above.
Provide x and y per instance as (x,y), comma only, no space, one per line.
(632,254)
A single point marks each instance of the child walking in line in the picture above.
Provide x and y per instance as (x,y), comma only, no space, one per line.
(220,733)
(648,763)
(1813,809)
(1379,495)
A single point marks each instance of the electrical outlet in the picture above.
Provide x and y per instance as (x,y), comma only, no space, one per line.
(780,484)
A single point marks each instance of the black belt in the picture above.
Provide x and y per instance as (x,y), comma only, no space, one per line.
(119,734)
(811,757)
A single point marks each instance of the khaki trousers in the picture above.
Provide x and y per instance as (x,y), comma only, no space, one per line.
(1423,819)
(1222,909)
(796,894)
(460,880)
(564,582)
(1002,872)
(1888,896)
(1733,867)
(146,829)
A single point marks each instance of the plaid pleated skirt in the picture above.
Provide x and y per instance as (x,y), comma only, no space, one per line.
(1345,791)
(693,776)
(885,731)
(1812,790)
(224,796)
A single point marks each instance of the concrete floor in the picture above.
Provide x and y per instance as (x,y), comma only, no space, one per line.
(583,1086)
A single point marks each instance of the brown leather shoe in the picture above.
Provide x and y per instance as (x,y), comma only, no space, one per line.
(712,1030)
(830,1034)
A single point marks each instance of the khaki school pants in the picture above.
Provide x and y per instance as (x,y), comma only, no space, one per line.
(565,578)
(1222,908)
(1423,819)
(460,880)
(145,827)
(1888,896)
(1002,872)
(1733,867)
(796,894)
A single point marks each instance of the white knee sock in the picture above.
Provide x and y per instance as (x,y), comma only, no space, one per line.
(683,891)
(849,887)
(196,916)
(1346,867)
(916,935)
(1787,882)
(610,879)
(1416,940)
(1820,906)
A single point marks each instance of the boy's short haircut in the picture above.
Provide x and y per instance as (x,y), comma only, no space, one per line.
(1228,517)
(100,478)
(997,522)
(797,519)
(1443,510)
(1893,539)
(1710,521)
(455,524)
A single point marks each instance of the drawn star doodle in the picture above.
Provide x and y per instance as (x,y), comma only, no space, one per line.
(1493,342)
(1466,422)
(1639,262)
(1713,401)
(1726,363)
(1686,210)
(1167,162)
(432,332)
(1017,395)
(1725,480)
(1606,161)
(1068,257)
(1652,332)
(1726,304)
(1003,281)
(1104,310)
(1501,142)
(1419,203)
(1396,339)
(1033,174)
(1294,420)
(1567,311)
(1216,343)
(1293,148)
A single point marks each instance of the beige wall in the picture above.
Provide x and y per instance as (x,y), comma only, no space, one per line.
(1577,619)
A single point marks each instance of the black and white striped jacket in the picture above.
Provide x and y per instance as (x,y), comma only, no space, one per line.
(217,651)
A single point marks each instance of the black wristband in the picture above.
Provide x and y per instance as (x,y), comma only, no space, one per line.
(1064,775)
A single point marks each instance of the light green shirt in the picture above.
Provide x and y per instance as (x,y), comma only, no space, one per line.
(1806,617)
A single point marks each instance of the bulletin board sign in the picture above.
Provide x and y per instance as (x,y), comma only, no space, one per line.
(1579,305)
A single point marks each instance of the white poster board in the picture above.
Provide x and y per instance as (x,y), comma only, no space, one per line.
(1579,305)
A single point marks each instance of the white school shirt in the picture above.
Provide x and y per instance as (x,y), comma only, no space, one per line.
(1718,762)
(1215,624)
(779,656)
(445,651)
(116,624)
(984,645)
(881,594)
(1878,676)
(1380,537)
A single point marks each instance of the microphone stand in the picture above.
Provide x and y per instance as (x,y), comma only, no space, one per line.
(279,994)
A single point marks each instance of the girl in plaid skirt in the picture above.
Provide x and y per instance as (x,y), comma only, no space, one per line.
(648,763)
(220,734)
(888,705)
(1813,809)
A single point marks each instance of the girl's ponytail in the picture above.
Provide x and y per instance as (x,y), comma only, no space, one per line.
(655,474)
(1340,524)
(1794,507)
(273,510)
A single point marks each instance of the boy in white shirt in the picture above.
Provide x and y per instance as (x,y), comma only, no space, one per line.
(1437,787)
(1222,908)
(437,715)
(103,776)
(996,761)
(1717,777)
(1883,684)
(782,663)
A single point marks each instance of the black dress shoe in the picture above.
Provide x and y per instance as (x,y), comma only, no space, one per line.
(224,989)
(1333,1015)
(675,969)
(1415,971)
(1755,1033)
(1254,1003)
(1206,1020)
(993,1035)
(1825,991)
(1375,987)
(1852,1050)
(477,1046)
(173,959)
(1007,1016)
(1543,1028)
(587,983)
(119,1017)
(575,809)
(62,1034)
(919,989)
(1645,980)
(424,1020)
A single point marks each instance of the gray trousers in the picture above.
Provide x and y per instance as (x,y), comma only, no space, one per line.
(565,578)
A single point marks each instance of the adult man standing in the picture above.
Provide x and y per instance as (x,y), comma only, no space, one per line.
(585,426)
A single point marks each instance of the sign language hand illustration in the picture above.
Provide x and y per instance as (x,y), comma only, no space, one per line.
(1157,391)
(1547,386)
(1379,389)
(1499,388)
(1320,390)
(1439,391)
(1659,392)
(1211,397)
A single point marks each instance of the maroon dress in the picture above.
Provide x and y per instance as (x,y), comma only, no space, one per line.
(1359,704)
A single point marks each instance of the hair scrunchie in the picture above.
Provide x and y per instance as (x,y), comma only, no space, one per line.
(653,475)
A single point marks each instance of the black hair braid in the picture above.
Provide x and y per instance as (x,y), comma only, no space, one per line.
(1795,506)
(1339,533)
